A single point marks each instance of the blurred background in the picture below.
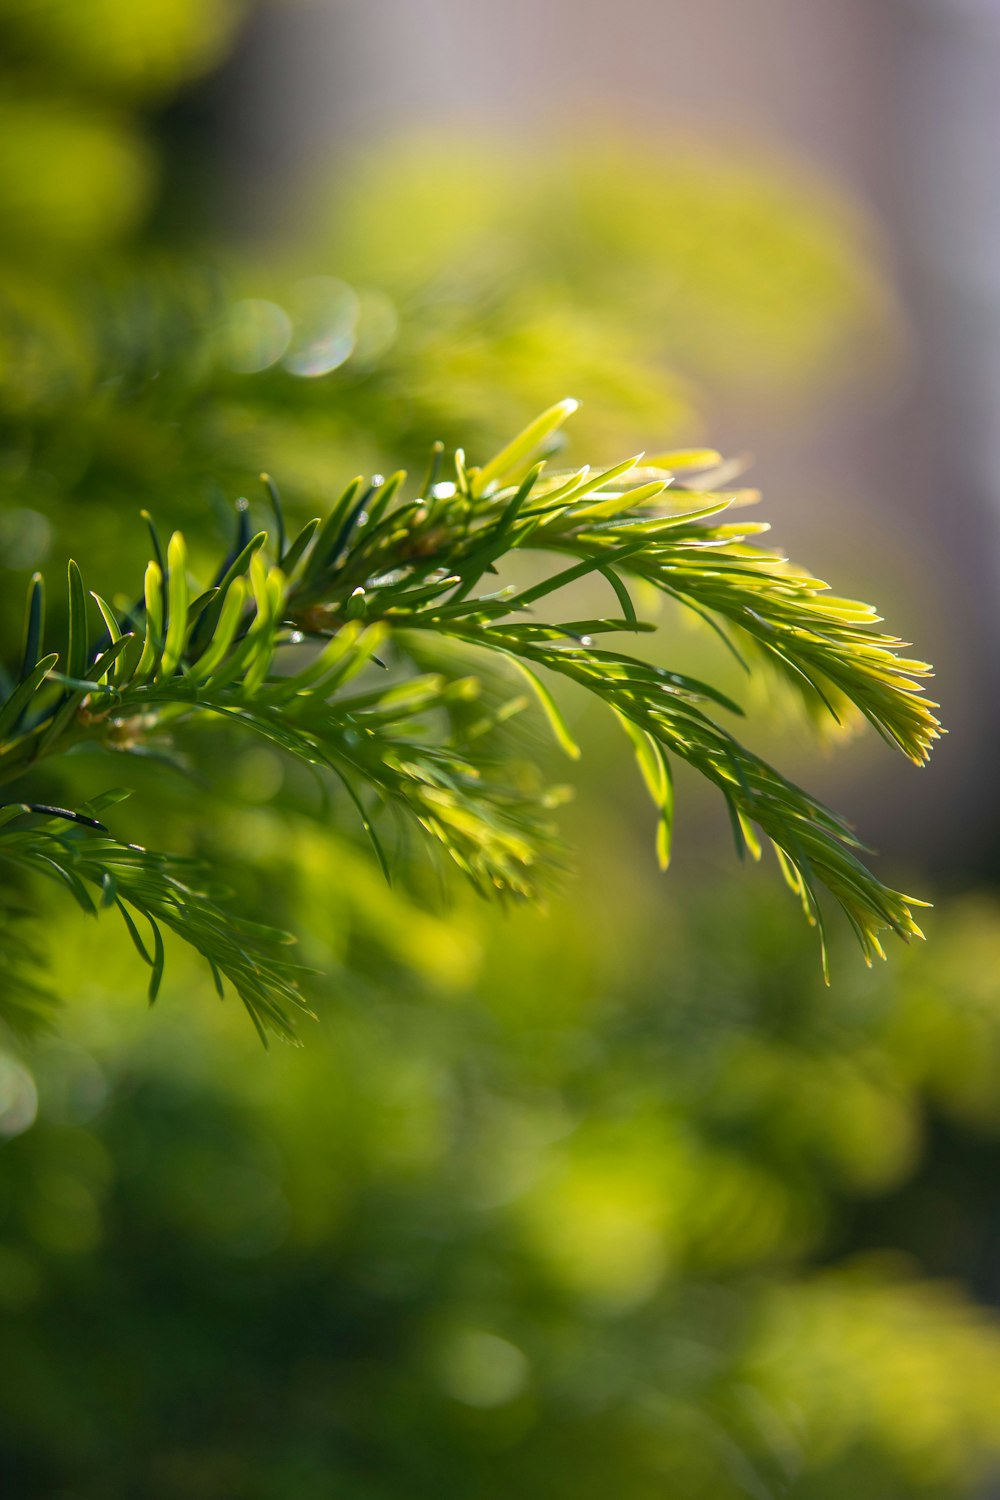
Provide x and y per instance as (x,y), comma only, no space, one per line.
(615,1195)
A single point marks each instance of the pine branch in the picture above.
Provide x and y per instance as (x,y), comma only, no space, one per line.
(287,638)
(160,890)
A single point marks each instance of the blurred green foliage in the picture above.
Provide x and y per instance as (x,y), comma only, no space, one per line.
(562,1205)
(726,266)
(121,51)
(441,291)
(490,1233)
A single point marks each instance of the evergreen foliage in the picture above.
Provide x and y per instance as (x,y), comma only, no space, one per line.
(321,643)
(585,1205)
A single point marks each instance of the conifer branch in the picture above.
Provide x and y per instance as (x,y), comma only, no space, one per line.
(310,642)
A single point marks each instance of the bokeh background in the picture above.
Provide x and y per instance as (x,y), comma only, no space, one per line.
(615,1196)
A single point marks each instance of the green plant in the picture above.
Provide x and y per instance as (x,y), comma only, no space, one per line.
(362,647)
